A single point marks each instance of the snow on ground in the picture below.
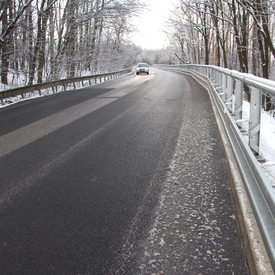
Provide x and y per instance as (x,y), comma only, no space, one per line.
(267,142)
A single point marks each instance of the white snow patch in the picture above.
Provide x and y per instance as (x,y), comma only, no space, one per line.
(162,242)
(267,141)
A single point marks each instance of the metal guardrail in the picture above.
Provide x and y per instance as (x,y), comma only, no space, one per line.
(227,90)
(230,85)
(27,91)
(232,82)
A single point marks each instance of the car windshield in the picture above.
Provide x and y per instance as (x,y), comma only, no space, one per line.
(142,65)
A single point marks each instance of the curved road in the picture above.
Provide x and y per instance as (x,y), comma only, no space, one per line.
(123,177)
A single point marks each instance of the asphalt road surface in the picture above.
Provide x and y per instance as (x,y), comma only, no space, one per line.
(124,177)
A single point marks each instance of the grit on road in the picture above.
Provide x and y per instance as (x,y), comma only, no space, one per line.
(125,177)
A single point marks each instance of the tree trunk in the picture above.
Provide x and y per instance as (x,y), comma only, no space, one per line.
(5,49)
(254,49)
(42,43)
(240,37)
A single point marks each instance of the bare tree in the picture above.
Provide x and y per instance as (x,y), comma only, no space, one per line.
(9,19)
(227,31)
(57,38)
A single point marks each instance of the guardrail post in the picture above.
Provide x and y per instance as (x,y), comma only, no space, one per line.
(64,86)
(238,104)
(255,119)
(220,80)
(210,73)
(224,87)
(201,70)
(229,92)
(214,78)
(204,71)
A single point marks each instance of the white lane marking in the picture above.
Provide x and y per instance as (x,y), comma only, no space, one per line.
(35,130)
(28,182)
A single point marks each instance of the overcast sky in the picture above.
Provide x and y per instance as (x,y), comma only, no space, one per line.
(150,24)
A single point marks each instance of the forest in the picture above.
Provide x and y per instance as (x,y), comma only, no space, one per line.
(234,34)
(45,40)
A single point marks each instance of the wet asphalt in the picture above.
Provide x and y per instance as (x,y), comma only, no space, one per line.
(125,177)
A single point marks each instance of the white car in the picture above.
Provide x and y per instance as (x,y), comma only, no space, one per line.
(142,68)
